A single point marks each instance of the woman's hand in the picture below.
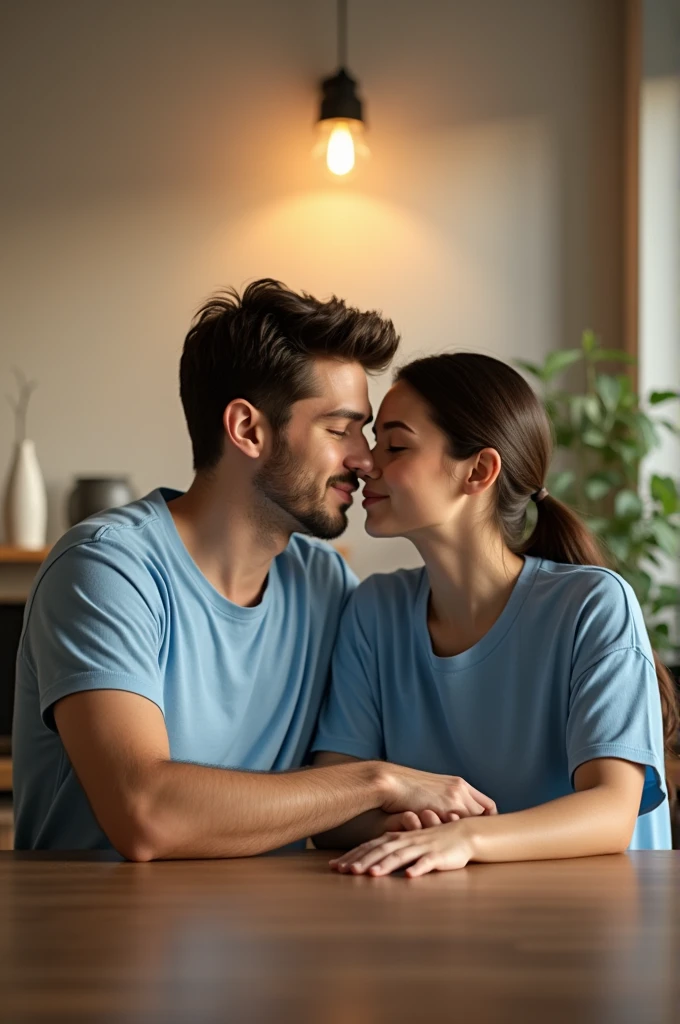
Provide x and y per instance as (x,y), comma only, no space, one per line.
(440,848)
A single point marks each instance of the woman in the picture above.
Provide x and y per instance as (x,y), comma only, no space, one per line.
(521,667)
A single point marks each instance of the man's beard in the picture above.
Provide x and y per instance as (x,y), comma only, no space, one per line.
(285,484)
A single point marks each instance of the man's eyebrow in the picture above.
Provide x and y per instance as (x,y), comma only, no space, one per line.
(347,414)
(395,423)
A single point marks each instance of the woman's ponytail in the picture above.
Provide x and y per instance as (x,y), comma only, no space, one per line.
(561,536)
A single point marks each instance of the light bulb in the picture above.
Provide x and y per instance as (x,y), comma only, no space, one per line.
(340,150)
(340,142)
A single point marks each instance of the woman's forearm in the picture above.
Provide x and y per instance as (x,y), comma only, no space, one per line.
(582,824)
(598,818)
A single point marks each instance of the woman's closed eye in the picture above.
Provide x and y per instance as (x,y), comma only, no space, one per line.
(395,448)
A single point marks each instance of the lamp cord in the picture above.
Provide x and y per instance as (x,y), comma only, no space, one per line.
(342,33)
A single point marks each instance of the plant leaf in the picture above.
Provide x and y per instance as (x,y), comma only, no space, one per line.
(658,635)
(628,451)
(663,490)
(609,390)
(665,535)
(597,486)
(598,524)
(575,406)
(648,431)
(619,546)
(592,409)
(588,340)
(627,505)
(667,597)
(611,355)
(557,362)
(657,397)
(593,438)
(560,483)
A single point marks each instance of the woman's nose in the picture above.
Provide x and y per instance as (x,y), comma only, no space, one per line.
(373,472)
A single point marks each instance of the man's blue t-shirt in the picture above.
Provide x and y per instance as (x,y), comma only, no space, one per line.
(120,604)
(565,675)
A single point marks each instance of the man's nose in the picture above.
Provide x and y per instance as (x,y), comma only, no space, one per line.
(360,459)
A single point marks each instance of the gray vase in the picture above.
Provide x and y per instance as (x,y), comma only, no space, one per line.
(92,494)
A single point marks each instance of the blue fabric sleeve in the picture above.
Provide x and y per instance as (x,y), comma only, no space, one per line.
(350,581)
(615,711)
(351,720)
(93,623)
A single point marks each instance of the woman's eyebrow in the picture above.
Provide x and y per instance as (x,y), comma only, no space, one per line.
(395,423)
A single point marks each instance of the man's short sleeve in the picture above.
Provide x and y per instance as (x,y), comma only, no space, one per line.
(351,720)
(94,621)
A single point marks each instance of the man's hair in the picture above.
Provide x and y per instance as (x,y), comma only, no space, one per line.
(260,347)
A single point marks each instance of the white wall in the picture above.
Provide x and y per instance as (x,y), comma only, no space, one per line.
(660,212)
(157,149)
(660,253)
(660,233)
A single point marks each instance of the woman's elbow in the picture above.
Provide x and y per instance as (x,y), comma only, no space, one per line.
(622,830)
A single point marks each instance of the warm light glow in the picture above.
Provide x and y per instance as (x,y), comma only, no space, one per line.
(340,151)
(340,143)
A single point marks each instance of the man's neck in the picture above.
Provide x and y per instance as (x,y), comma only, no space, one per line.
(228,541)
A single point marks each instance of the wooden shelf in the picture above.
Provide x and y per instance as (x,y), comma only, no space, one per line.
(5,773)
(22,556)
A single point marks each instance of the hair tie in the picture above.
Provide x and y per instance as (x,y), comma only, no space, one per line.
(539,495)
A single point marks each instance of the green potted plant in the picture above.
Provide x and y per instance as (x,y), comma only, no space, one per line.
(603,431)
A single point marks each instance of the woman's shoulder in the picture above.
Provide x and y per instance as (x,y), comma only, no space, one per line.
(583,582)
(603,604)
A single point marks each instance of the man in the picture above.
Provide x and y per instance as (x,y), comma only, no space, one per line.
(175,652)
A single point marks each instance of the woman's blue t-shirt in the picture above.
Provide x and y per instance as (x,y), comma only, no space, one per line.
(566,674)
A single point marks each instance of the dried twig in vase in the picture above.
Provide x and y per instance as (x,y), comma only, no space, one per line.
(20,405)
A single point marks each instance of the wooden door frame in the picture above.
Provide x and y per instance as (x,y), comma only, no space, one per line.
(632,36)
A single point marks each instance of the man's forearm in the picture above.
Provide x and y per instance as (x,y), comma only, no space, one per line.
(190,810)
(579,825)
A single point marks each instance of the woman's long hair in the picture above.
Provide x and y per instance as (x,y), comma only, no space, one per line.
(480,402)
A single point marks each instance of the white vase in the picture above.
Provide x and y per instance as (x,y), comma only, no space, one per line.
(25,500)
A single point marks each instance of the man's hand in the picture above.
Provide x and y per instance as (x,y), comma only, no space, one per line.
(409,821)
(446,797)
(411,800)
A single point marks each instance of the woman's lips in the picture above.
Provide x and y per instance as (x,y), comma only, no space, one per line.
(372,499)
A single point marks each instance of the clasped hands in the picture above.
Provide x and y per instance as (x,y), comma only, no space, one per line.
(421,841)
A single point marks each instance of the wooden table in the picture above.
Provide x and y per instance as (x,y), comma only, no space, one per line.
(276,939)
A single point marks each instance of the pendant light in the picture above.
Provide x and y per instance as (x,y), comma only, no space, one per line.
(341,122)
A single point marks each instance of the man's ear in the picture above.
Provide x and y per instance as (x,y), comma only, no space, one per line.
(483,471)
(246,428)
